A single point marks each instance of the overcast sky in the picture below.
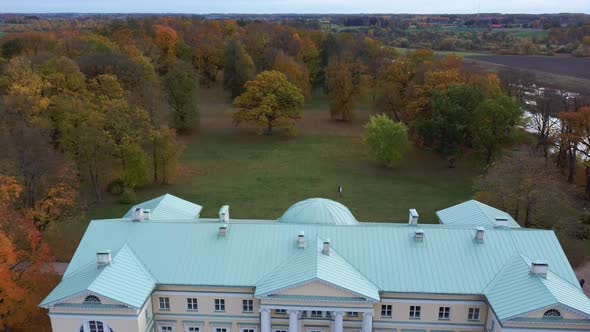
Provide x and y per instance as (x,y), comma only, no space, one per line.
(296,6)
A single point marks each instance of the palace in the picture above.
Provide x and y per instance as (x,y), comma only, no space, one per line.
(162,267)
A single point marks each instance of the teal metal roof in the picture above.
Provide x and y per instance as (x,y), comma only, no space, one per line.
(310,264)
(125,280)
(168,207)
(515,291)
(367,258)
(474,213)
(318,211)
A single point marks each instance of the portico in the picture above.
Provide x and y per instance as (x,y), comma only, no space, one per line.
(300,317)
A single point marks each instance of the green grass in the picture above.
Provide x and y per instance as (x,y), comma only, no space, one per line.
(460,54)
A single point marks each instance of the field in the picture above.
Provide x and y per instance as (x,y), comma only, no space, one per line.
(260,177)
(558,65)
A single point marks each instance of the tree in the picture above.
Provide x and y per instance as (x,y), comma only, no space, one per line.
(386,140)
(448,127)
(296,73)
(269,101)
(345,85)
(238,68)
(167,150)
(180,83)
(493,124)
(166,40)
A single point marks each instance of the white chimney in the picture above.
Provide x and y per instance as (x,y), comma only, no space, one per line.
(103,258)
(413,217)
(419,235)
(326,249)
(222,231)
(540,268)
(301,240)
(137,214)
(146,214)
(224,213)
(479,233)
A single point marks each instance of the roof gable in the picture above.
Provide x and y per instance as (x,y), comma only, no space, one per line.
(311,265)
(474,213)
(126,281)
(168,207)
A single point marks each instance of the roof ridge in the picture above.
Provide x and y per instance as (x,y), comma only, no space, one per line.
(140,262)
(354,268)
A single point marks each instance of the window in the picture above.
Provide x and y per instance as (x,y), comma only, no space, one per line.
(165,328)
(316,313)
(91,299)
(352,314)
(552,313)
(248,305)
(281,311)
(164,303)
(147,314)
(248,330)
(193,329)
(95,326)
(473,314)
(220,329)
(279,331)
(386,310)
(415,312)
(220,305)
(191,304)
(444,313)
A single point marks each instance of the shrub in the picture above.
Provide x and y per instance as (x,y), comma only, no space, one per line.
(128,196)
(386,140)
(116,187)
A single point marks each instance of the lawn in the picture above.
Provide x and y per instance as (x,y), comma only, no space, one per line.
(260,177)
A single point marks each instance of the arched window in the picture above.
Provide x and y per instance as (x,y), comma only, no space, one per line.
(91,299)
(552,313)
(95,326)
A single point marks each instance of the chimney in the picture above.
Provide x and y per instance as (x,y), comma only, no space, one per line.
(479,234)
(419,235)
(222,231)
(301,240)
(137,214)
(146,214)
(224,213)
(326,249)
(413,217)
(103,258)
(540,268)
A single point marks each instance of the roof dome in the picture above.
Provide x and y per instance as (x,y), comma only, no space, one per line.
(318,211)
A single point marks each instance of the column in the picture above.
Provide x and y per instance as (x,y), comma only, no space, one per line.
(338,321)
(265,320)
(293,320)
(367,322)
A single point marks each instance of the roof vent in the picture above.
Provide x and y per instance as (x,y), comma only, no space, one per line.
(222,231)
(540,268)
(103,258)
(146,214)
(413,217)
(326,249)
(479,234)
(224,213)
(501,221)
(301,240)
(137,214)
(419,235)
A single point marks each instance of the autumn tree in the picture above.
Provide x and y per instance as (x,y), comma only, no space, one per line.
(180,83)
(167,150)
(344,81)
(296,73)
(269,101)
(165,40)
(238,68)
(387,141)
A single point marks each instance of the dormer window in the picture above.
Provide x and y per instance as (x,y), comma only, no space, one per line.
(552,313)
(92,299)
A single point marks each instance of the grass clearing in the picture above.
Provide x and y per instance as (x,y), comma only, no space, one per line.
(260,177)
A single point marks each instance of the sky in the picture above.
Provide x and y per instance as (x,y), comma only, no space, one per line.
(295,6)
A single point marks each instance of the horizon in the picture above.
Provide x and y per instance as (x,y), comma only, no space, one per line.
(301,7)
